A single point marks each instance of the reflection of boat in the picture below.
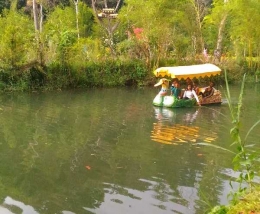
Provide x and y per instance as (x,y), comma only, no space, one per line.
(184,72)
(174,134)
(176,126)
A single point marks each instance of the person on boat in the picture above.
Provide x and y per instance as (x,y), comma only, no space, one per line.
(173,83)
(196,87)
(209,91)
(175,89)
(165,84)
(189,81)
(189,93)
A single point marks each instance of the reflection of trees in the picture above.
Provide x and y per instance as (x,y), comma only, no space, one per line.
(48,140)
(191,125)
(41,140)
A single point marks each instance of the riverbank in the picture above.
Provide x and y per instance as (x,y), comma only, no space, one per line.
(110,73)
(248,204)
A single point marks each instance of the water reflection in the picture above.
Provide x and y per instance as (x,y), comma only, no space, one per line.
(11,206)
(158,197)
(16,205)
(176,126)
(91,152)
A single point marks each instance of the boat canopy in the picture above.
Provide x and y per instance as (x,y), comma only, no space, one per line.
(191,71)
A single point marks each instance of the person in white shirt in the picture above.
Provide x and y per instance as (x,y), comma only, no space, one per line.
(189,93)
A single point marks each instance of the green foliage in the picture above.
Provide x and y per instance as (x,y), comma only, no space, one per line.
(245,15)
(171,35)
(249,203)
(244,161)
(4,4)
(86,20)
(101,74)
(86,49)
(92,74)
(211,24)
(61,32)
(170,29)
(219,210)
(67,39)
(240,37)
(11,82)
(16,33)
(115,73)
(154,41)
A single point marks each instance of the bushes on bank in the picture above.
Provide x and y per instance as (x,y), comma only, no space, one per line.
(60,76)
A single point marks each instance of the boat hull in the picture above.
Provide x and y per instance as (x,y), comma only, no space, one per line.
(214,99)
(173,102)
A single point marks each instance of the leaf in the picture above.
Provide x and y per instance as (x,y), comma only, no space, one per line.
(235,142)
(245,163)
(250,145)
(239,105)
(234,131)
(252,157)
(215,146)
(229,96)
(239,148)
(251,129)
(236,158)
(252,174)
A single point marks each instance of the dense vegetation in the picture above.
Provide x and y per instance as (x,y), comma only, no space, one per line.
(59,44)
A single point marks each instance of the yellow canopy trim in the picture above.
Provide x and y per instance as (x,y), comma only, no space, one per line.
(190,71)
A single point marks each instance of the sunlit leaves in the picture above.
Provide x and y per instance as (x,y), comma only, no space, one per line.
(168,27)
(16,33)
(61,32)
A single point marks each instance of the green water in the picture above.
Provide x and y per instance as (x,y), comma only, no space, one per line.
(110,151)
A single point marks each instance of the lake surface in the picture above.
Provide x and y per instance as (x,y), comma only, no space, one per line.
(110,151)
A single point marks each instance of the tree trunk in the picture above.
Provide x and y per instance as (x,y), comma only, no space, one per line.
(35,16)
(199,10)
(220,31)
(41,18)
(109,26)
(218,50)
(105,3)
(77,15)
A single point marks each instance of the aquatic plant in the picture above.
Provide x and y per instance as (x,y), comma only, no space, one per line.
(244,159)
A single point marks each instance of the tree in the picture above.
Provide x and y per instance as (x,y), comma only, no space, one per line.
(62,32)
(231,28)
(4,4)
(16,33)
(200,10)
(244,33)
(150,33)
(76,2)
(215,26)
(107,20)
(221,30)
